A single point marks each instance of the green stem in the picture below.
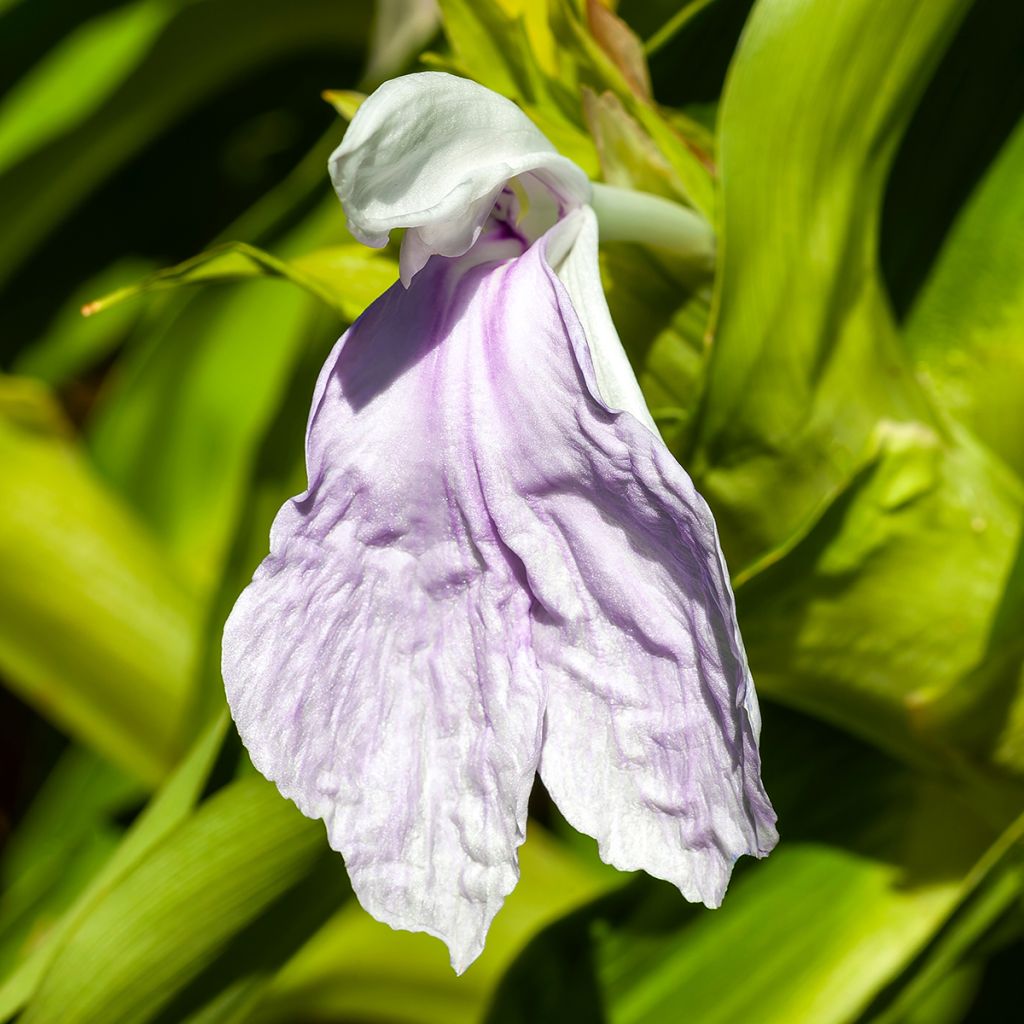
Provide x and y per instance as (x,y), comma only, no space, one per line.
(674,25)
(627,216)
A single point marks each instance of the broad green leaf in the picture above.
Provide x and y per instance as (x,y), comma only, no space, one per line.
(872,863)
(984,717)
(882,612)
(883,536)
(96,629)
(177,912)
(806,361)
(165,812)
(347,278)
(77,76)
(218,42)
(966,331)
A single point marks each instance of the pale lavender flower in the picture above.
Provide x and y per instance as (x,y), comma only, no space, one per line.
(497,567)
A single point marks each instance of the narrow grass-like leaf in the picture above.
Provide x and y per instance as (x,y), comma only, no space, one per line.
(358,969)
(218,41)
(77,75)
(179,908)
(165,813)
(345,277)
(66,833)
(72,345)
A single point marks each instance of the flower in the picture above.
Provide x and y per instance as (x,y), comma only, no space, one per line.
(497,567)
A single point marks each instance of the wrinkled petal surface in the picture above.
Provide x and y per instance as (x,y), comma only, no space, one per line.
(491,569)
(431,152)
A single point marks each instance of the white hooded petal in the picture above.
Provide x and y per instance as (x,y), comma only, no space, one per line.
(572,249)
(430,152)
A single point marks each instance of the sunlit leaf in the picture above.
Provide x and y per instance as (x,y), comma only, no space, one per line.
(345,277)
(66,834)
(218,41)
(660,308)
(176,912)
(883,539)
(96,629)
(868,868)
(966,331)
(179,424)
(165,812)
(806,360)
(357,968)
(886,607)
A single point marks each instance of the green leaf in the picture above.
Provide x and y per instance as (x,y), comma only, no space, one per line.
(72,344)
(675,24)
(179,424)
(347,278)
(660,309)
(968,112)
(881,613)
(358,969)
(178,910)
(278,473)
(872,863)
(883,536)
(994,889)
(218,42)
(165,812)
(806,361)
(96,629)
(66,834)
(76,76)
(966,331)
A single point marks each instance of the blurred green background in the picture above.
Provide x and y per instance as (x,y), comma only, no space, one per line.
(846,387)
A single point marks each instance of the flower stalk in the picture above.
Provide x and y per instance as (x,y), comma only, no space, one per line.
(624,215)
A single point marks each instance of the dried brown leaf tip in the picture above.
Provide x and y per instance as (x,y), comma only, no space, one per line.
(620,43)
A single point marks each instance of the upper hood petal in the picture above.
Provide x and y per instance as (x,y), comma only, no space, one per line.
(430,151)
